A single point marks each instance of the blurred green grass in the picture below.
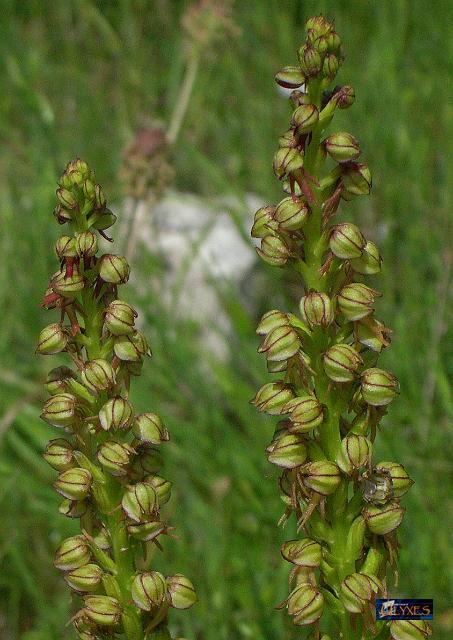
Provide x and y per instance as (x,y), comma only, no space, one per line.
(77,79)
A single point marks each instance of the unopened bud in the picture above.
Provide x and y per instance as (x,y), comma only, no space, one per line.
(288,451)
(410,629)
(303,553)
(333,42)
(98,375)
(104,611)
(99,197)
(401,482)
(67,286)
(161,486)
(181,592)
(116,413)
(73,508)
(369,262)
(310,60)
(330,66)
(140,502)
(316,309)
(379,387)
(384,519)
(358,590)
(356,300)
(274,251)
(59,454)
(60,410)
(72,553)
(264,222)
(131,347)
(272,397)
(306,413)
(271,320)
(149,428)
(291,215)
(74,483)
(287,160)
(317,26)
(57,379)
(115,457)
(67,199)
(86,244)
(290,77)
(120,318)
(356,179)
(147,531)
(280,344)
(306,604)
(65,247)
(355,452)
(346,241)
(86,578)
(104,220)
(114,269)
(52,339)
(342,147)
(148,590)
(341,362)
(305,118)
(321,476)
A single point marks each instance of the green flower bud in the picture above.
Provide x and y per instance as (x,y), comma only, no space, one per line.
(161,486)
(290,77)
(98,375)
(342,147)
(149,428)
(61,214)
(102,610)
(115,457)
(280,344)
(72,553)
(60,410)
(74,483)
(346,241)
(52,339)
(272,397)
(86,244)
(291,215)
(140,502)
(287,160)
(288,140)
(88,188)
(306,604)
(303,553)
(355,453)
(181,592)
(271,320)
(322,476)
(333,42)
(274,251)
(149,459)
(73,508)
(358,590)
(264,222)
(317,26)
(67,286)
(306,413)
(379,387)
(341,362)
(373,334)
(67,199)
(377,487)
(131,348)
(148,590)
(355,537)
(320,44)
(120,318)
(86,578)
(288,450)
(114,269)
(383,520)
(84,630)
(310,60)
(305,118)
(316,309)
(356,300)
(116,413)
(147,531)
(345,97)
(330,66)
(369,262)
(276,367)
(356,179)
(57,380)
(99,197)
(65,247)
(401,482)
(104,220)
(59,454)
(410,629)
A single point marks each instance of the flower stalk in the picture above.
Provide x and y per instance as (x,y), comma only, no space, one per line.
(108,459)
(329,392)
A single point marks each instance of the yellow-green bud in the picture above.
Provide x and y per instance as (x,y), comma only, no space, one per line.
(305,118)
(369,262)
(333,42)
(401,482)
(60,410)
(116,413)
(379,387)
(86,244)
(272,397)
(342,147)
(321,476)
(104,611)
(147,531)
(115,457)
(410,629)
(274,251)
(148,590)
(356,300)
(67,199)
(73,508)
(290,77)
(181,592)
(73,553)
(316,309)
(356,179)
(104,220)
(357,590)
(355,453)
(303,553)
(288,451)
(280,344)
(65,247)
(52,339)
(264,222)
(330,66)
(346,241)
(120,318)
(140,502)
(306,413)
(86,578)
(290,214)
(161,486)
(57,380)
(131,347)
(384,519)
(341,362)
(306,604)
(98,375)
(287,160)
(67,286)
(114,269)
(74,484)
(271,320)
(59,454)
(310,60)
(317,26)
(149,428)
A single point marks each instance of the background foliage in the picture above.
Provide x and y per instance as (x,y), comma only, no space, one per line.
(77,79)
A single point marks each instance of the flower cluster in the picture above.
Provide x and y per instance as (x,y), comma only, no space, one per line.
(108,459)
(329,393)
